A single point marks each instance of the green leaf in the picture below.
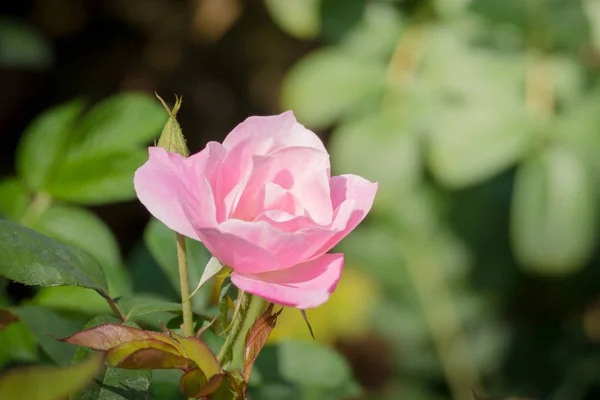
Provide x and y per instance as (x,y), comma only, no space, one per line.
(471,145)
(97,178)
(113,383)
(133,307)
(45,325)
(553,217)
(312,364)
(83,229)
(23,47)
(161,243)
(299,18)
(146,354)
(34,259)
(329,84)
(44,143)
(122,122)
(71,298)
(13,199)
(48,383)
(397,166)
(17,344)
(339,17)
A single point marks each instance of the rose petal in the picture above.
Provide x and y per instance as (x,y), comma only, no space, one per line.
(303,171)
(157,184)
(353,198)
(288,248)
(231,250)
(278,131)
(304,286)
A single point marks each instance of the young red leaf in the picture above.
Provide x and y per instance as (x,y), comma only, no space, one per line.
(151,358)
(108,336)
(197,351)
(128,353)
(257,337)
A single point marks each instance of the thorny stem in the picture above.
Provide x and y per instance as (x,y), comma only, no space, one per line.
(186,303)
(245,301)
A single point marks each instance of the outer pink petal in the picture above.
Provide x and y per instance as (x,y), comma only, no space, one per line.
(352,196)
(288,248)
(278,130)
(157,184)
(304,286)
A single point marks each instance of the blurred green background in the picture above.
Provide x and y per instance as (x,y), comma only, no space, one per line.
(479,266)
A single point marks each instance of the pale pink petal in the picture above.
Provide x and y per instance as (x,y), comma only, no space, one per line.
(353,198)
(304,286)
(157,184)
(278,131)
(303,171)
(231,250)
(288,248)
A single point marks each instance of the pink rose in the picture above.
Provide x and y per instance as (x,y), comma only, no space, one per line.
(264,204)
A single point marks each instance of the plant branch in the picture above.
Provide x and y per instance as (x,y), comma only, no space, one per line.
(245,301)
(186,303)
(114,308)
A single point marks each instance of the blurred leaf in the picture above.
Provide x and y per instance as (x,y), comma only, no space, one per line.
(256,338)
(553,213)
(549,24)
(471,145)
(17,344)
(397,164)
(578,127)
(71,298)
(83,229)
(35,259)
(133,307)
(13,199)
(7,318)
(125,121)
(165,385)
(147,276)
(113,383)
(161,243)
(44,144)
(338,17)
(48,383)
(97,178)
(329,84)
(299,18)
(46,325)
(311,364)
(21,46)
(377,34)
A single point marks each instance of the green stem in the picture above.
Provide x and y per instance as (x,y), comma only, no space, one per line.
(237,324)
(114,308)
(186,304)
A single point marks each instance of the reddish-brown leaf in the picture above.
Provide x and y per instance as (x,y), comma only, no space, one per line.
(151,358)
(108,336)
(257,337)
(117,355)
(197,351)
(6,318)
